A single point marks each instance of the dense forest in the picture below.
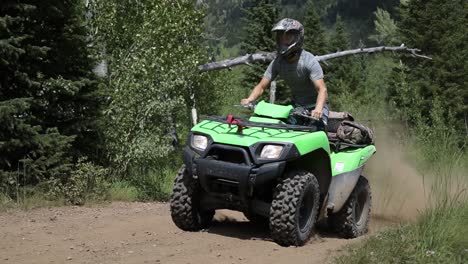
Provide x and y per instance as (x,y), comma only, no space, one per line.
(97,97)
(97,94)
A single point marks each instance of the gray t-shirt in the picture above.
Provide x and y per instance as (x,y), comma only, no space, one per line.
(298,76)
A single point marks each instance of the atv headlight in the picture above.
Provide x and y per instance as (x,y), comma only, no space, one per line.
(271,152)
(199,142)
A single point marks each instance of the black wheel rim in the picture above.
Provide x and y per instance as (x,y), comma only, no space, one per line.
(305,210)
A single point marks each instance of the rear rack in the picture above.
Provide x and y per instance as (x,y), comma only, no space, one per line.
(247,123)
(339,145)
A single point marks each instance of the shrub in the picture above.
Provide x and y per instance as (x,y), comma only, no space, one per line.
(87,182)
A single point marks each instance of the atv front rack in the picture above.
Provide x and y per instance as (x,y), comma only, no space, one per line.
(246,124)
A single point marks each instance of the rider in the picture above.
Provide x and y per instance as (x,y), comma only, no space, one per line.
(299,68)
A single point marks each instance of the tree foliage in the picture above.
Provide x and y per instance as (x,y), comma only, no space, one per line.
(54,112)
(48,104)
(339,74)
(153,55)
(386,28)
(439,29)
(315,38)
(222,23)
(259,20)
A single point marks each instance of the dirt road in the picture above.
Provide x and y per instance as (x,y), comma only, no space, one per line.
(144,233)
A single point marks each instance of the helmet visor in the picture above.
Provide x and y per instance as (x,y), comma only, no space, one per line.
(285,40)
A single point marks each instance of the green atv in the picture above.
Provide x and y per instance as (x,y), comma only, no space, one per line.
(290,176)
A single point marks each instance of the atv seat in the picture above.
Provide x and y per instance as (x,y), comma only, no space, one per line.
(334,121)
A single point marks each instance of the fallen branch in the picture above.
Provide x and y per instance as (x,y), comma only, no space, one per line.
(269,56)
(402,48)
(243,60)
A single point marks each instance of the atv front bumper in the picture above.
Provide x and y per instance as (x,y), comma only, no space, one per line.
(235,181)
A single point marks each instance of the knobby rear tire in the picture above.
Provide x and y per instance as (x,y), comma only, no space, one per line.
(353,218)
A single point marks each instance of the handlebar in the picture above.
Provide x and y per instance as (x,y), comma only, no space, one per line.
(251,105)
(301,112)
(307,116)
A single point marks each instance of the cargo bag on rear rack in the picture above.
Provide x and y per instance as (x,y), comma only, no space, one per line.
(354,133)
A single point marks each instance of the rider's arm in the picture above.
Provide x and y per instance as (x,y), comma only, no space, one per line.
(269,75)
(258,90)
(322,96)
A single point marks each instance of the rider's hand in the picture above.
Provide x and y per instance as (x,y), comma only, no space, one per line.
(316,113)
(245,101)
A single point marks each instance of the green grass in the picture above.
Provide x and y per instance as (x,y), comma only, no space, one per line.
(123,191)
(29,198)
(154,185)
(440,236)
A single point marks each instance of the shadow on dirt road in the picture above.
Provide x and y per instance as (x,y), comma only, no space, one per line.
(231,227)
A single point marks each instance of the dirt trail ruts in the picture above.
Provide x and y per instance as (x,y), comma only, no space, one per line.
(144,233)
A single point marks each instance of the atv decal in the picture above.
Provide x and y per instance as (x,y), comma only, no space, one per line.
(339,166)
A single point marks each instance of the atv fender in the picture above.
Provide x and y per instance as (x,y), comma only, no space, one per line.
(318,163)
(340,188)
(311,142)
(347,166)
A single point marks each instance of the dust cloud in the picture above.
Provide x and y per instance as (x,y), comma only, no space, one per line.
(399,191)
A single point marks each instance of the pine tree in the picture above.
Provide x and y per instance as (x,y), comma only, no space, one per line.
(385,27)
(71,89)
(438,28)
(45,103)
(315,38)
(259,19)
(339,73)
(340,40)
